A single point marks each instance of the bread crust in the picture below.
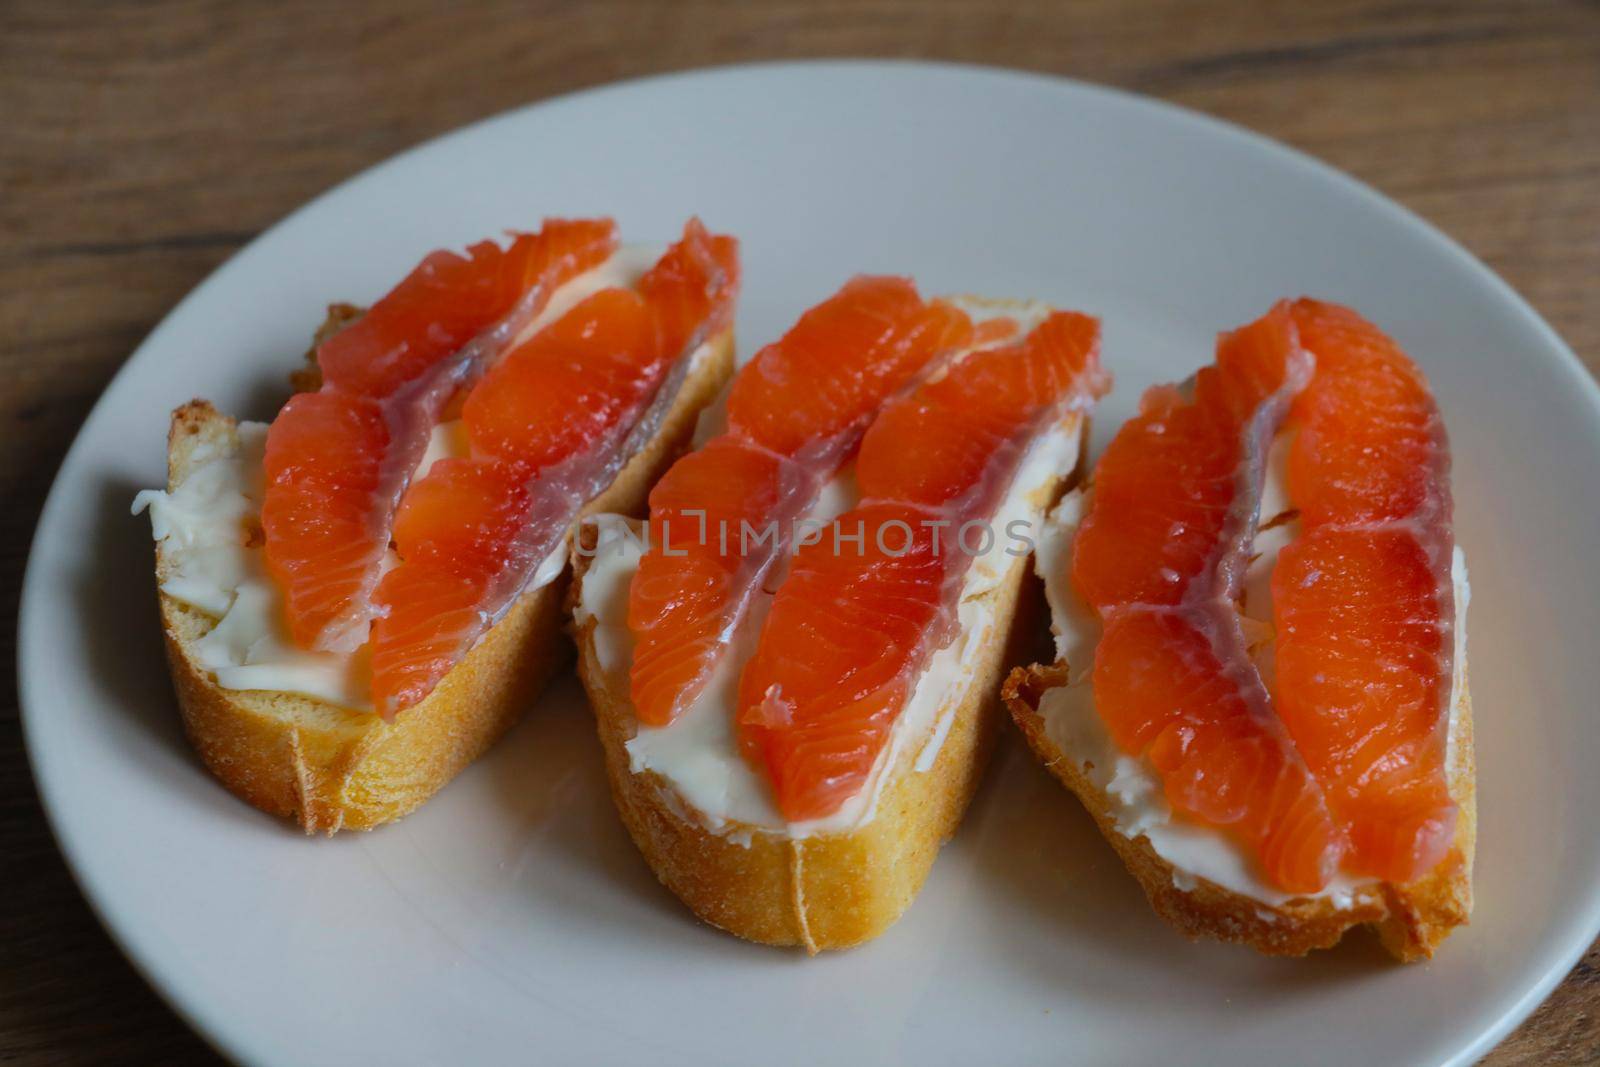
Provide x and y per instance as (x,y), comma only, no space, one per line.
(1410,920)
(329,768)
(828,890)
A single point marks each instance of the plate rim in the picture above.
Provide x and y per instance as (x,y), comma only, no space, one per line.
(215,1031)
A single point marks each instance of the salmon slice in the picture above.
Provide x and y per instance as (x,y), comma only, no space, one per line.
(723,514)
(1165,692)
(864,608)
(550,426)
(1160,555)
(1363,601)
(338,460)
(829,374)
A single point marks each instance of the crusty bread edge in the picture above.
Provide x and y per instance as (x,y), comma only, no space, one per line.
(1410,920)
(330,769)
(831,890)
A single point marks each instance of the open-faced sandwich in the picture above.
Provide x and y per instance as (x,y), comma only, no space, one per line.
(1260,690)
(361,597)
(795,665)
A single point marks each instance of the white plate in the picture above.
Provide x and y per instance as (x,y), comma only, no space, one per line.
(511,919)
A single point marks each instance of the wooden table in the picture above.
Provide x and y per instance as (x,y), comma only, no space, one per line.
(142,144)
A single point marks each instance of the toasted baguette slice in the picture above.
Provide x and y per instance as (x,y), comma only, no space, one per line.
(331,769)
(1411,920)
(828,890)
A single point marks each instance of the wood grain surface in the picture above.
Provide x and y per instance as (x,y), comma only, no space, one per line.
(141,144)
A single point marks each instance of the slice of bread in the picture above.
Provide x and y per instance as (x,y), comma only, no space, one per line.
(1411,920)
(828,890)
(330,768)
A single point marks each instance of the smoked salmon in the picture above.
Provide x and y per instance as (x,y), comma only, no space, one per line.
(865,605)
(549,425)
(1335,761)
(1363,602)
(723,514)
(339,459)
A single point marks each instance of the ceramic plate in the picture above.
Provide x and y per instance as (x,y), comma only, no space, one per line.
(511,919)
